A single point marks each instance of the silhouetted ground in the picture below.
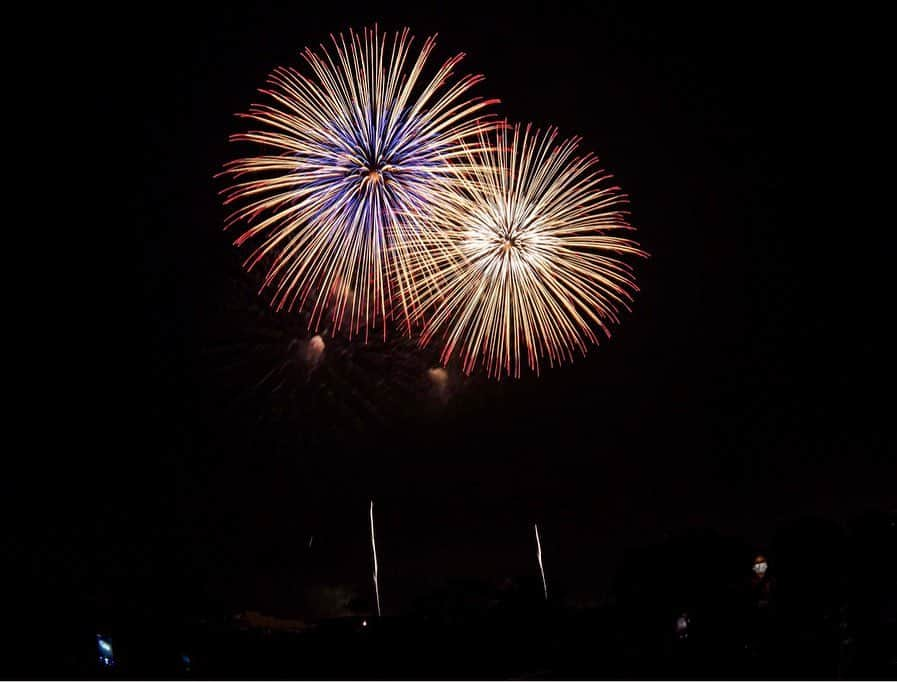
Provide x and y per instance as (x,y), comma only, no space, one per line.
(829,611)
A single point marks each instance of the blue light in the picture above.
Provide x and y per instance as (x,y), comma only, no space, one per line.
(105,653)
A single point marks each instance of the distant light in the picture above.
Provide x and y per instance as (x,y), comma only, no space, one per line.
(760,566)
(314,350)
(437,375)
(185,659)
(105,652)
(682,626)
(439,383)
(364,623)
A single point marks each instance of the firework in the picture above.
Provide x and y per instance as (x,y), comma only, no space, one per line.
(439,384)
(374,550)
(358,147)
(528,258)
(313,351)
(539,557)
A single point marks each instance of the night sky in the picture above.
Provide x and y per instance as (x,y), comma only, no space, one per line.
(741,391)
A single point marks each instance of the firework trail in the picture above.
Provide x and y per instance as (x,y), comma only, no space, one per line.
(539,557)
(527,258)
(374,548)
(357,147)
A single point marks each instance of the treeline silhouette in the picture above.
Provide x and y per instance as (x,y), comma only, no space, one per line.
(688,607)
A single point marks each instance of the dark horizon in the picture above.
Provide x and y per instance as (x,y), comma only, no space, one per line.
(737,396)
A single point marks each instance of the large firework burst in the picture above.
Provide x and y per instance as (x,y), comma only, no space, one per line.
(533,264)
(358,148)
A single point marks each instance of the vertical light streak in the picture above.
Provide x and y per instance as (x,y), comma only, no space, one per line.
(374,548)
(539,557)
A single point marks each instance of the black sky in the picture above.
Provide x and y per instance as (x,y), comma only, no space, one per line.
(742,390)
